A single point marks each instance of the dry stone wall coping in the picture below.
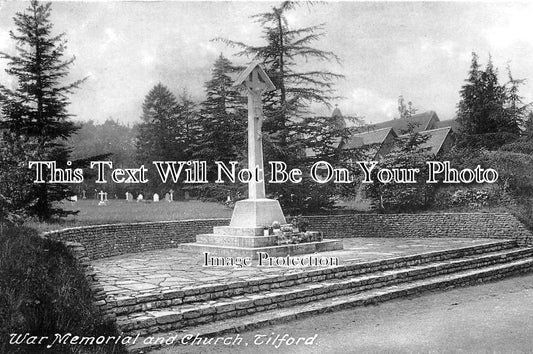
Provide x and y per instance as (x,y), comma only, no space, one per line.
(109,240)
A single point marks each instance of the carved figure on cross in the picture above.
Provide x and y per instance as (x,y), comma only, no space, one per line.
(256,86)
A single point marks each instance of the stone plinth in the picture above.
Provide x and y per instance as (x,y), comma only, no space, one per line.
(256,213)
(237,241)
(273,251)
(244,237)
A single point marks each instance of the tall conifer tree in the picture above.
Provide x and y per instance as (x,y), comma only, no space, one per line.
(37,107)
(157,135)
(289,128)
(489,113)
(223,117)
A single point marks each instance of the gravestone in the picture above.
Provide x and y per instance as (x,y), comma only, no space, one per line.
(129,197)
(245,236)
(171,192)
(167,197)
(140,197)
(156,198)
(83,196)
(103,198)
(73,199)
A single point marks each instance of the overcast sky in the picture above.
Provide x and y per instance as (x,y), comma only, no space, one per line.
(421,50)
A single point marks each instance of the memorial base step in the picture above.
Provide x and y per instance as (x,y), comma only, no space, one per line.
(219,250)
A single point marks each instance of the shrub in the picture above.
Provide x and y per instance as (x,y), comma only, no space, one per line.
(42,292)
(471,197)
(524,146)
(402,197)
(300,222)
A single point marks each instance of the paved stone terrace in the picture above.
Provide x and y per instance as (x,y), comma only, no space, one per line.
(156,271)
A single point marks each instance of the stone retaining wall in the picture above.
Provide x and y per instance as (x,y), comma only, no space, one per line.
(110,240)
(102,241)
(98,293)
(471,225)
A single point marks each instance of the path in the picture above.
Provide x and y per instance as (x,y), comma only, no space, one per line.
(160,270)
(488,318)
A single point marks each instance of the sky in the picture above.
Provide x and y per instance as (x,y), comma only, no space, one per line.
(420,50)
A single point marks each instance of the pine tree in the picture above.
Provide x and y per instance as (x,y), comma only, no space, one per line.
(158,135)
(489,113)
(187,125)
(288,128)
(516,111)
(37,107)
(405,111)
(284,50)
(15,190)
(223,117)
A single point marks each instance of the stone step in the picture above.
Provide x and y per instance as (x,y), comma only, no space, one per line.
(273,251)
(143,302)
(197,313)
(238,231)
(237,241)
(321,304)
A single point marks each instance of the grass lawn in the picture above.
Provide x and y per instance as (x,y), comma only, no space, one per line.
(121,211)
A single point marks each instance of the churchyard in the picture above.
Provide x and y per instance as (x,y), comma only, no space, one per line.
(121,211)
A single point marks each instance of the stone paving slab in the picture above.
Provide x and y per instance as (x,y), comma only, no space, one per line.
(161,270)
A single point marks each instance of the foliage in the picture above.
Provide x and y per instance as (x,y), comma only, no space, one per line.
(403,197)
(295,232)
(223,117)
(42,292)
(514,171)
(405,111)
(109,141)
(166,133)
(490,114)
(514,183)
(288,129)
(187,126)
(222,127)
(37,107)
(527,133)
(524,144)
(156,134)
(110,137)
(474,198)
(300,222)
(16,195)
(471,197)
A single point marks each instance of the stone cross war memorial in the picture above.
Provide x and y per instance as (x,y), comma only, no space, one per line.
(257,222)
